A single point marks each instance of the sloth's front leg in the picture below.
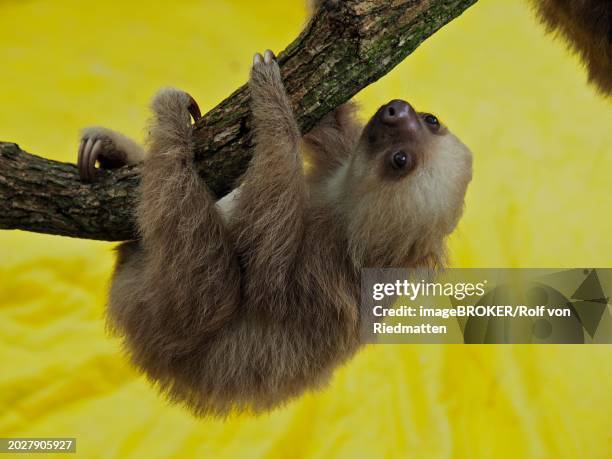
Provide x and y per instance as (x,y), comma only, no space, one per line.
(110,149)
(268,223)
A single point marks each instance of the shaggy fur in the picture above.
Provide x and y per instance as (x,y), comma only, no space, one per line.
(243,304)
(587,27)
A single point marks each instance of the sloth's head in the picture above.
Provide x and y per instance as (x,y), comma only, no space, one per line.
(404,188)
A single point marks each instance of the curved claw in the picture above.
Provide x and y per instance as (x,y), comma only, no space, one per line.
(95,152)
(80,159)
(194,109)
(269,56)
(89,152)
(84,160)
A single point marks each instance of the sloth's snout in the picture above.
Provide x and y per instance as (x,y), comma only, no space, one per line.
(395,121)
(398,113)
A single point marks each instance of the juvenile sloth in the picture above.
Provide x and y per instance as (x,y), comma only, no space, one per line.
(245,303)
(587,26)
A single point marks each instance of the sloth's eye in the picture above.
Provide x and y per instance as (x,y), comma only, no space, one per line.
(431,120)
(403,161)
(400,160)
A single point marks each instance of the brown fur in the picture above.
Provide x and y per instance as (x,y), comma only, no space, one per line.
(246,310)
(587,26)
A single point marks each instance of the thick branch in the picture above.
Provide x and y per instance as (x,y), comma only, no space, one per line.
(346,46)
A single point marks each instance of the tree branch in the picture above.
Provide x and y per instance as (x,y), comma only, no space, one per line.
(346,46)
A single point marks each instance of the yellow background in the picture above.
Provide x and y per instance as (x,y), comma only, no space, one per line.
(540,198)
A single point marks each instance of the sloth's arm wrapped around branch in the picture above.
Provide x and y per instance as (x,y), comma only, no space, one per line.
(346,46)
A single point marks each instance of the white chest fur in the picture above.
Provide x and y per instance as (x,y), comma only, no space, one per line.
(227,204)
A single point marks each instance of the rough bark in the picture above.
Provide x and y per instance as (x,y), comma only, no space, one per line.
(346,46)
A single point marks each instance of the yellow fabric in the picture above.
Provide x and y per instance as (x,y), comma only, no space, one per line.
(540,198)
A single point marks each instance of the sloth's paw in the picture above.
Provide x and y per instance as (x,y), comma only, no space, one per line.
(268,58)
(107,148)
(265,70)
(170,101)
(270,106)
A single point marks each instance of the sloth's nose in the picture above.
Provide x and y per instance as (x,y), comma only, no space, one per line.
(397,112)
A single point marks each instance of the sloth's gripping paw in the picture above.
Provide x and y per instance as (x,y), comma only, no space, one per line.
(170,103)
(265,71)
(102,146)
(270,106)
(107,148)
(268,58)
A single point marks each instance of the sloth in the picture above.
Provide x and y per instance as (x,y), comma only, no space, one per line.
(243,304)
(587,27)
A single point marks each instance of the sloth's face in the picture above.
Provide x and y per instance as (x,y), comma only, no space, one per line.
(399,142)
(409,173)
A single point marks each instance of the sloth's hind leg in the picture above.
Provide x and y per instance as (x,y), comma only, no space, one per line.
(177,286)
(192,273)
